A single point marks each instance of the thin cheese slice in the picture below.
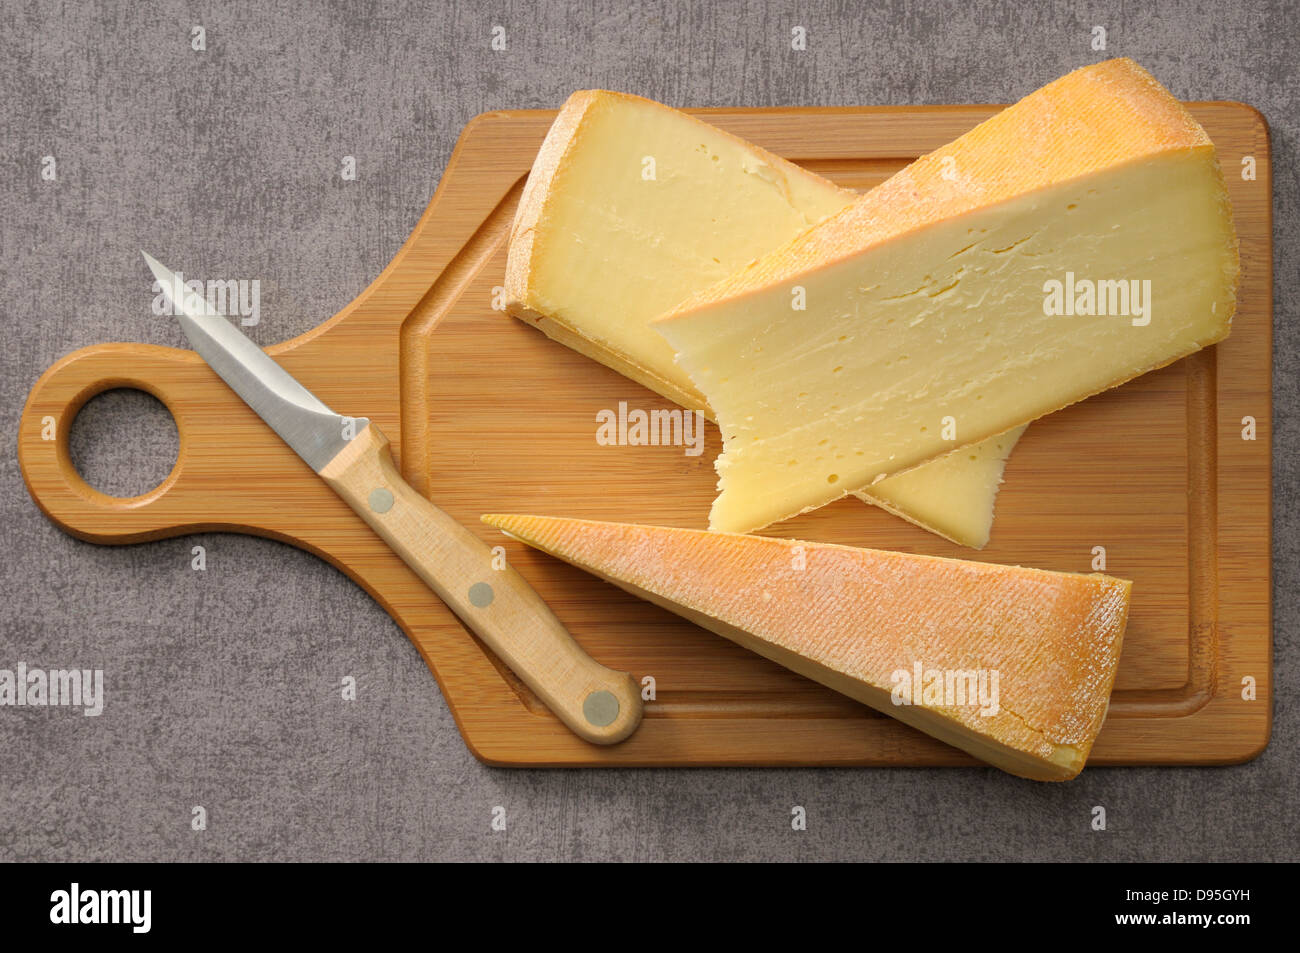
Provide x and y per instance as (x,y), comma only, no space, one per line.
(955,492)
(1074,241)
(1012,665)
(631,208)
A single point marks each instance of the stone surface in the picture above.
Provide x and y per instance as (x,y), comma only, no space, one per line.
(223,686)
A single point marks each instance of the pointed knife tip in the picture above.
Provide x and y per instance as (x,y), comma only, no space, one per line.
(154,265)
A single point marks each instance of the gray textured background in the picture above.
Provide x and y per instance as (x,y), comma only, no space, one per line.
(222,685)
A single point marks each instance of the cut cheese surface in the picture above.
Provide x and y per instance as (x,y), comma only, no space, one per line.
(1012,665)
(630,208)
(603,244)
(955,493)
(1070,243)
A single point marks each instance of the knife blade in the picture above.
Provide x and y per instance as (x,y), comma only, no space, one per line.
(352,456)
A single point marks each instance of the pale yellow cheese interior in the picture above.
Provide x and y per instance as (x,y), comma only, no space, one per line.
(932,325)
(955,492)
(631,208)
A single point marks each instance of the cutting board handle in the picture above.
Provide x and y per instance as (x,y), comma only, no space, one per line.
(207,489)
(177,378)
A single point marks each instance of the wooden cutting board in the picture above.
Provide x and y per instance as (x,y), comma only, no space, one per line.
(488,415)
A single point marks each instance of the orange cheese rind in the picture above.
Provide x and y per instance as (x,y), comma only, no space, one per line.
(1095,117)
(853,618)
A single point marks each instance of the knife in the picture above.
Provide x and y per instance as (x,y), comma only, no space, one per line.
(352,455)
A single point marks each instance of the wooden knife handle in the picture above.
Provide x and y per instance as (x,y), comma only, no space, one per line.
(599,704)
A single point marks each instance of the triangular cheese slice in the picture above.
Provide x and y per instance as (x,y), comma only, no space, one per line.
(954,494)
(1068,244)
(1012,665)
(631,208)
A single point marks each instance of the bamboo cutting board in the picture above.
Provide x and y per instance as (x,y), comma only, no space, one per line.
(488,415)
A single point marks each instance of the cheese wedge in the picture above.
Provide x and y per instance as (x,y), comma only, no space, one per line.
(1012,665)
(631,208)
(1073,241)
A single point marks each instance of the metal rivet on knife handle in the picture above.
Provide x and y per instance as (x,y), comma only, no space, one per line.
(481,595)
(601,708)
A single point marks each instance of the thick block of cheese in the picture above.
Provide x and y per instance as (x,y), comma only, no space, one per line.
(1012,665)
(631,208)
(1073,241)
